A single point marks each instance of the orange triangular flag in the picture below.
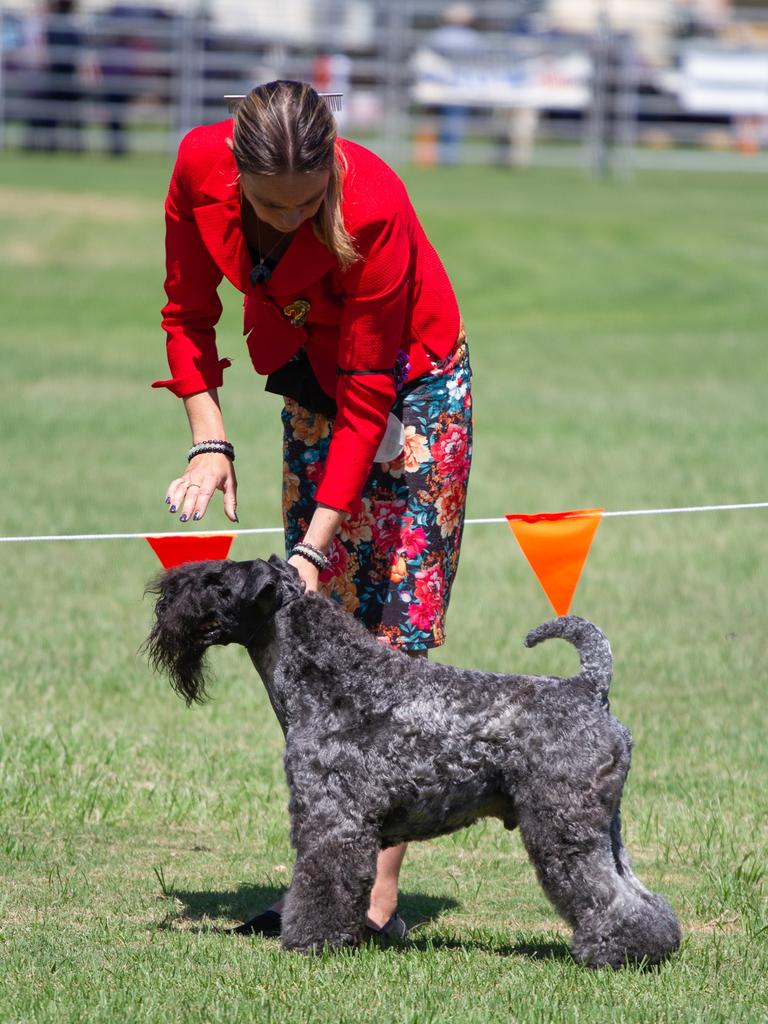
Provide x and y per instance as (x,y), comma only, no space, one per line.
(556,545)
(196,547)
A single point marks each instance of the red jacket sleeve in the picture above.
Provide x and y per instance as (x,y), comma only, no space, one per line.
(375,298)
(193,307)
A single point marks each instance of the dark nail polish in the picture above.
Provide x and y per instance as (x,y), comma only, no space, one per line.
(173,508)
(183,518)
(196,516)
(167,501)
(236,519)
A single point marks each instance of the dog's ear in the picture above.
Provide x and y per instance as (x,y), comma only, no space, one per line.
(280,565)
(270,584)
(261,588)
(290,583)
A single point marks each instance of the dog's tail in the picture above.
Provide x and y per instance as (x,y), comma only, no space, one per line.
(591,643)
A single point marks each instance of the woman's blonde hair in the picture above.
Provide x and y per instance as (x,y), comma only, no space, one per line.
(286,126)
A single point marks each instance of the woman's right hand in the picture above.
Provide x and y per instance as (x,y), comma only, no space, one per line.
(191,493)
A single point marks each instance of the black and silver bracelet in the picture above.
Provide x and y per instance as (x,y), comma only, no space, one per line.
(217,447)
(312,554)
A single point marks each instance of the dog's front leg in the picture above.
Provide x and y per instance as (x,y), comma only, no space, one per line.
(331,887)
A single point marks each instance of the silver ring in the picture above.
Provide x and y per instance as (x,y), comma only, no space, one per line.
(192,485)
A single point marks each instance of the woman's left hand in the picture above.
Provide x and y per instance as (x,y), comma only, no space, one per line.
(309,574)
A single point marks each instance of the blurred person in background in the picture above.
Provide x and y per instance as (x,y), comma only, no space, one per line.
(56,90)
(455,40)
(350,314)
(696,19)
(126,46)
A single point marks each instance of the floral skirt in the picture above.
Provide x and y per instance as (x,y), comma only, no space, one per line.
(394,561)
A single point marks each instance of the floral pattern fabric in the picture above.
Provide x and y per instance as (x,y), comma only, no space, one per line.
(393,562)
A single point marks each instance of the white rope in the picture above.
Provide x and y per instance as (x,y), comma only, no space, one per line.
(695,508)
(142,536)
(644,512)
(279,529)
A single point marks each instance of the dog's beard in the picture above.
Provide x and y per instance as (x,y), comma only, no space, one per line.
(181,658)
(182,633)
(179,653)
(185,626)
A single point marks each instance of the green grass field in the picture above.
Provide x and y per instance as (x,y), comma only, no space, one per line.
(618,343)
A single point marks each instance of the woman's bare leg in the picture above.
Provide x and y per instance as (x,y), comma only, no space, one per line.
(384,892)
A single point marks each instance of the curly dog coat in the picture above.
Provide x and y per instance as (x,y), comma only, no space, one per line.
(382,748)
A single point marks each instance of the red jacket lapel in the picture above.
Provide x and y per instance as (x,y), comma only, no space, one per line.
(219,222)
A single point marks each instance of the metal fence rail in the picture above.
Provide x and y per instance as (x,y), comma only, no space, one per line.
(519,91)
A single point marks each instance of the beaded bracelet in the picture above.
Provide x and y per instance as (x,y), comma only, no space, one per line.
(318,551)
(312,554)
(217,447)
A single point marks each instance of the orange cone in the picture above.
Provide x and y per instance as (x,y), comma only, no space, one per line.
(556,545)
(197,547)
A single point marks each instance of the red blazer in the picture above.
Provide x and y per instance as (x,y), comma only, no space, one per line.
(396,296)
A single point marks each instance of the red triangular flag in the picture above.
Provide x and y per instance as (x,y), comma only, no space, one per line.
(556,545)
(196,547)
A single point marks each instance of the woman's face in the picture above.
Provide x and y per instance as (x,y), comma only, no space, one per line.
(284,201)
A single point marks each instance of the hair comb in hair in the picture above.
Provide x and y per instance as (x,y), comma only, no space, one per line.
(333,99)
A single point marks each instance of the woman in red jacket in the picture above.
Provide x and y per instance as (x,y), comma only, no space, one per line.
(350,314)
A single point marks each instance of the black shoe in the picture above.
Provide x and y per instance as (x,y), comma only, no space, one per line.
(393,930)
(267,923)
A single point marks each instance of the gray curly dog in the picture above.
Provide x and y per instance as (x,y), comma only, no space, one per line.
(383,748)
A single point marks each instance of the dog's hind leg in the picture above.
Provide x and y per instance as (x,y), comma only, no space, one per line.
(332,881)
(644,924)
(572,835)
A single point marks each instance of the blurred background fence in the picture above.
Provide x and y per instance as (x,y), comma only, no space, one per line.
(613,85)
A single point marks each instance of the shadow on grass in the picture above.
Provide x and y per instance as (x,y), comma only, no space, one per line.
(558,950)
(241,903)
(531,950)
(248,900)
(418,909)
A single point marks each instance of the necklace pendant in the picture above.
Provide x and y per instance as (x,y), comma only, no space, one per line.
(259,273)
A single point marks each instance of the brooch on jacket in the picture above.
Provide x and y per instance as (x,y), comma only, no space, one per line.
(297,312)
